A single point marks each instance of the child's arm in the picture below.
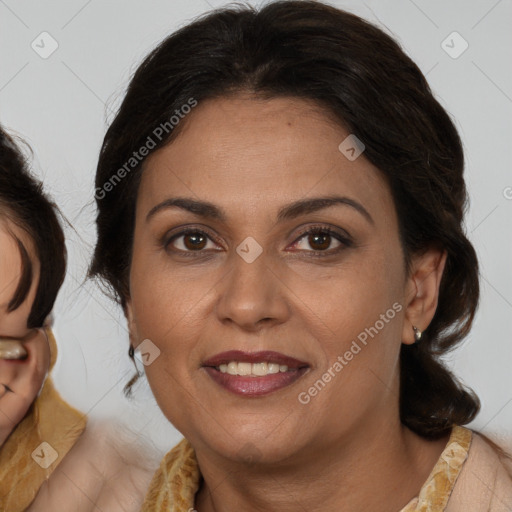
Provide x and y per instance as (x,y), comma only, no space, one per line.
(109,469)
(21,380)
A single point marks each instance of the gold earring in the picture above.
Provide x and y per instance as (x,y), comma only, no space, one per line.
(417,334)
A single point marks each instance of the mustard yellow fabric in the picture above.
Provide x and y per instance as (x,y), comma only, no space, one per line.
(436,491)
(50,419)
(176,482)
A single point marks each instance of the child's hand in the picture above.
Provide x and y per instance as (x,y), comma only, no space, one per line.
(21,380)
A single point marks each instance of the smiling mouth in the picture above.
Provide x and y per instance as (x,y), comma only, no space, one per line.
(254,374)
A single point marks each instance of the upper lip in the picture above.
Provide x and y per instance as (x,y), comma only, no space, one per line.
(268,356)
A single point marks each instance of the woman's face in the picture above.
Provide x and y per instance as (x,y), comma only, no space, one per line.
(14,323)
(252,172)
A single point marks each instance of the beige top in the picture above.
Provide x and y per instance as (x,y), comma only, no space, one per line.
(469,476)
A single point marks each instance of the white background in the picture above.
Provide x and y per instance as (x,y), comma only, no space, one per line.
(61,105)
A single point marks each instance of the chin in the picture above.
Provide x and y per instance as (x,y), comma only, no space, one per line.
(255,449)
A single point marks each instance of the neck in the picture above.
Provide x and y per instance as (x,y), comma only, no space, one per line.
(381,468)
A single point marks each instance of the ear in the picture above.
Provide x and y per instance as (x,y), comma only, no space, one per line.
(422,291)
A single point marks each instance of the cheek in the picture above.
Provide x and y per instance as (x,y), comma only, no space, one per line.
(358,328)
(166,302)
(346,300)
(163,313)
(171,311)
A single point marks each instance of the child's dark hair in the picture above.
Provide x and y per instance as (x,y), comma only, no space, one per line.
(23,202)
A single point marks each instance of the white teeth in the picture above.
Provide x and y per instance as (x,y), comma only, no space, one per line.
(260,369)
(244,368)
(252,370)
(273,368)
(232,368)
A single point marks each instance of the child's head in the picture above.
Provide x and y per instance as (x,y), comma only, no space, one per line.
(32,246)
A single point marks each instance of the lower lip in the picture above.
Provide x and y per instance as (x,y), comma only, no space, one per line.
(255,386)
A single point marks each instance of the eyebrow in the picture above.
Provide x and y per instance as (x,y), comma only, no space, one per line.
(209,210)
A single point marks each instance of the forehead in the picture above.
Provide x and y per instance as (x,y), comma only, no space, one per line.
(254,154)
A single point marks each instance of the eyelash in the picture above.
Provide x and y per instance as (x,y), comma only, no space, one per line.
(345,240)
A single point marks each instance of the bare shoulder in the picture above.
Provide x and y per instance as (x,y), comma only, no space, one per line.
(109,468)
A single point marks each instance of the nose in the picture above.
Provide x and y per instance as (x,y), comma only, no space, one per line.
(252,294)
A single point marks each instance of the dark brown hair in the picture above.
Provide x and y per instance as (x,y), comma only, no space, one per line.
(359,75)
(24,203)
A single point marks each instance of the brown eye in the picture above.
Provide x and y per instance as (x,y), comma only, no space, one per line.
(191,240)
(194,241)
(320,240)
